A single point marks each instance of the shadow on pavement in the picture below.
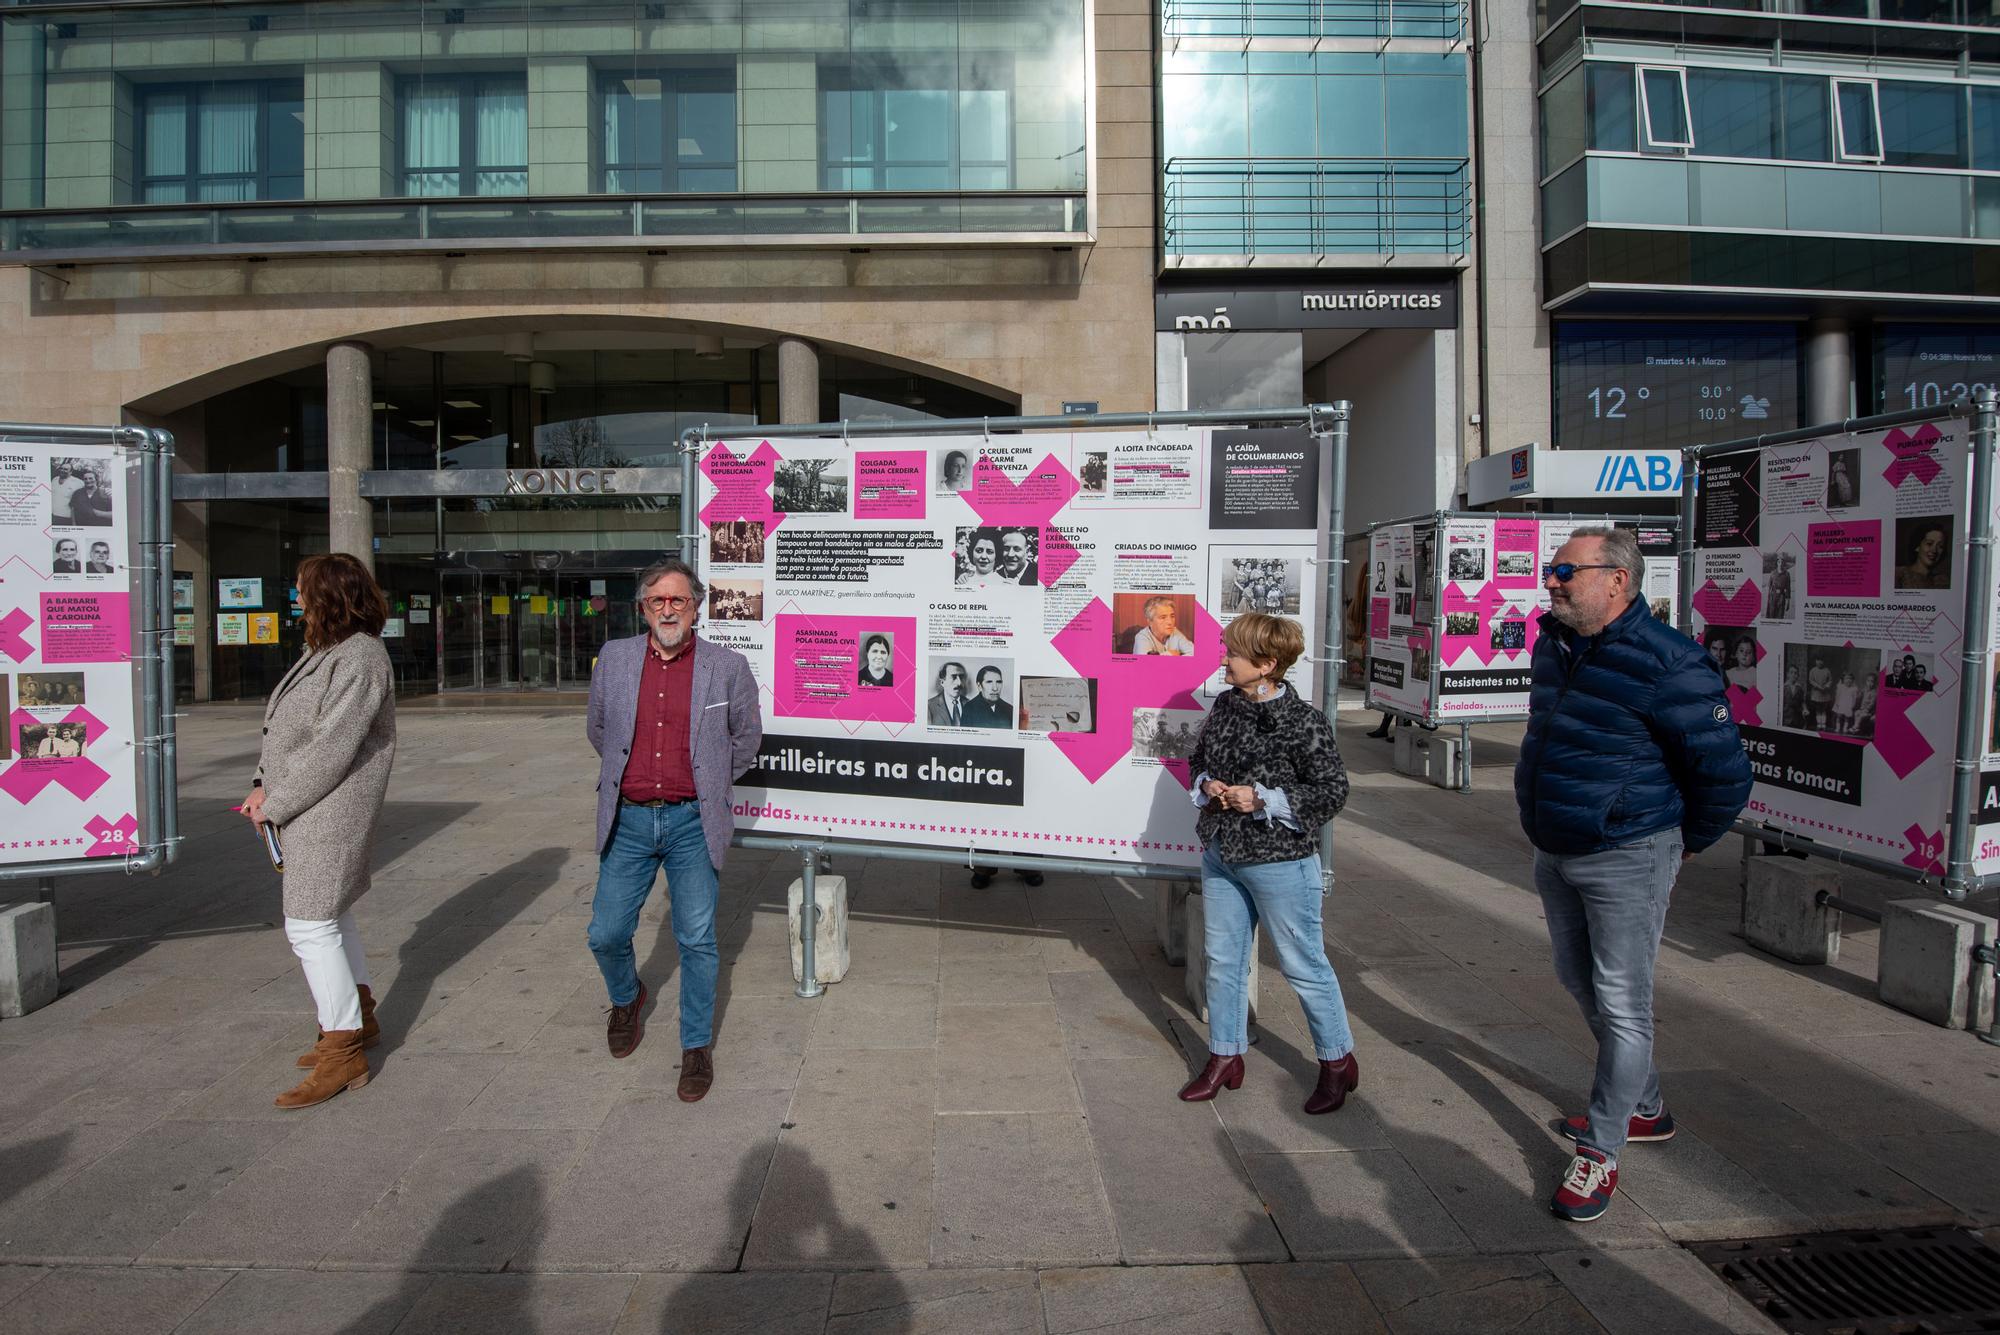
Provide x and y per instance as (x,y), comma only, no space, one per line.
(23,1165)
(514,1195)
(431,948)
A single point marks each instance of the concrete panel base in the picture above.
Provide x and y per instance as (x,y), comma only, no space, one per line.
(1430,756)
(830,957)
(1170,918)
(1197,961)
(27,958)
(1926,965)
(1780,916)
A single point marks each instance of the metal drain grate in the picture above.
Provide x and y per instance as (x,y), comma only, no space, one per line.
(1917,1281)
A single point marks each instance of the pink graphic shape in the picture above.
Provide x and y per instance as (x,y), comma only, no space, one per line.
(742,486)
(1487,604)
(1737,609)
(818,661)
(25,779)
(1126,683)
(1897,740)
(1926,849)
(86,627)
(113,838)
(889,484)
(1033,501)
(1915,455)
(1743,702)
(12,643)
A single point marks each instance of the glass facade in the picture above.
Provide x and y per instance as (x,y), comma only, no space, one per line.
(1923,366)
(1279,152)
(1775,116)
(345,104)
(496,592)
(1652,386)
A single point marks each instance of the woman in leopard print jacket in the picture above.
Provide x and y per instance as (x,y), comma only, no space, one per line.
(1267,777)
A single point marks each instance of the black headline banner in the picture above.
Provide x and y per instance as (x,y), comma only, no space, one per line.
(927,771)
(1805,764)
(1988,812)
(1385,672)
(1479,681)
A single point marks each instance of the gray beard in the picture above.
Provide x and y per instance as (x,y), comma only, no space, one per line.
(1567,614)
(671,637)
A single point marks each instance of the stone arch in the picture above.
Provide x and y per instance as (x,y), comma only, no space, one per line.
(232,372)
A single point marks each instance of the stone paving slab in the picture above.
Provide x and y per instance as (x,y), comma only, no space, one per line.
(975,1131)
(1019,1189)
(307,1302)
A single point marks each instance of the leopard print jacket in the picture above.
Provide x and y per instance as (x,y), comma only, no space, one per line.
(1283,744)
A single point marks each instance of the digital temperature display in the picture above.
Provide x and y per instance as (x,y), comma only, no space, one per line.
(1927,366)
(1623,386)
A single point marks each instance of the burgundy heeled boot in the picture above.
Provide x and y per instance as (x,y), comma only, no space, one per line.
(1336,1081)
(1220,1073)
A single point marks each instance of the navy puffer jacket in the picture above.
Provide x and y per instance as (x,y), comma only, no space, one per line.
(1628,735)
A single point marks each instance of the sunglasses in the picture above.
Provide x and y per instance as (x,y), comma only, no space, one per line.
(1565,571)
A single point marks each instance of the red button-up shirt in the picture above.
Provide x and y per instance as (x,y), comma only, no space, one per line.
(661,765)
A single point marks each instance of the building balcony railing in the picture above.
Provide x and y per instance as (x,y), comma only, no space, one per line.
(1956,13)
(175,231)
(1363,20)
(1769,197)
(1224,211)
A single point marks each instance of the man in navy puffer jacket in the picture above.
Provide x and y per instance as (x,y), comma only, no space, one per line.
(1631,765)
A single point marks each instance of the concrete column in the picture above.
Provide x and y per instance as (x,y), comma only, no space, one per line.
(1829,371)
(350,448)
(798,381)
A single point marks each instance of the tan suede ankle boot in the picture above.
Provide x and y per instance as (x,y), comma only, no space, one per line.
(371,1032)
(340,1065)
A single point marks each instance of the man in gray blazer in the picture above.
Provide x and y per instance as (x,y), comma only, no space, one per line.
(674,721)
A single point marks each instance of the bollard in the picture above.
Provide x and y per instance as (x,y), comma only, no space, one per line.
(809,984)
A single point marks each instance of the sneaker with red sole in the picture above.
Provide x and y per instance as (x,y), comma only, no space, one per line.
(1586,1190)
(1641,1130)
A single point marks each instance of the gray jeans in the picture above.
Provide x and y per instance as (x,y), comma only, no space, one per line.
(1606,912)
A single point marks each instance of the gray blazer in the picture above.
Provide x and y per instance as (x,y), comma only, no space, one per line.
(722,736)
(329,743)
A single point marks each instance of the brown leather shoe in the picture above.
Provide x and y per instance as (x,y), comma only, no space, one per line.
(371,1032)
(697,1074)
(1221,1073)
(341,1065)
(622,1029)
(1336,1081)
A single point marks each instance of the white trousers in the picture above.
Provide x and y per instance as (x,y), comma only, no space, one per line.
(334,963)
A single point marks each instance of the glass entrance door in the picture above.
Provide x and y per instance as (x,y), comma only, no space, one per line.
(529,631)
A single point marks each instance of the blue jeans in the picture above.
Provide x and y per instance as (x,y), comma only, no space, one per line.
(643,840)
(1606,912)
(1285,896)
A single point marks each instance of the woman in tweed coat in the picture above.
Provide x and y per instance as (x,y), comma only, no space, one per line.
(329,741)
(1267,776)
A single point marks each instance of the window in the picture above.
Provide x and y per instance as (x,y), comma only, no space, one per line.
(222,141)
(1923,124)
(1857,120)
(914,126)
(1664,113)
(1735,113)
(465,135)
(1614,109)
(670,130)
(1986,127)
(1807,119)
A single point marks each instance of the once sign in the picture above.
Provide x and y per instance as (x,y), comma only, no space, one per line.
(562,481)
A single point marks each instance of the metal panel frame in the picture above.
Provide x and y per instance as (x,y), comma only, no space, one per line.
(1328,423)
(1975,643)
(158,794)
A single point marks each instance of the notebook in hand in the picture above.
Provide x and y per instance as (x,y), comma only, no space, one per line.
(272,847)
